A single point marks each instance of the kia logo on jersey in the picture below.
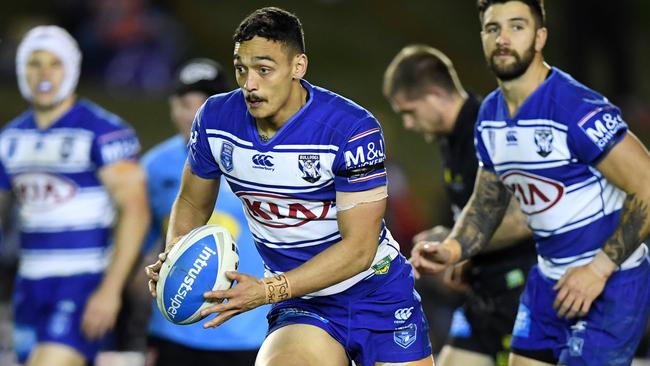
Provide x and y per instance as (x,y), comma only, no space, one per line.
(40,191)
(535,194)
(278,211)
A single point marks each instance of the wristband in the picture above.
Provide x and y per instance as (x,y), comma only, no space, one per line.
(277,288)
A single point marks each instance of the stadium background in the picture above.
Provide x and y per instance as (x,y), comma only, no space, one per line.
(131,48)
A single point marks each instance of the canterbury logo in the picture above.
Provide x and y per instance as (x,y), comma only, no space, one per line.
(403,314)
(263,160)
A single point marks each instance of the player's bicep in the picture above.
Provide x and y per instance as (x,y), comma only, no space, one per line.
(627,165)
(125,182)
(198,192)
(361,224)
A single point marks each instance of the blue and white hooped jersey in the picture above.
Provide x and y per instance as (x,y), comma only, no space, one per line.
(288,186)
(546,155)
(64,211)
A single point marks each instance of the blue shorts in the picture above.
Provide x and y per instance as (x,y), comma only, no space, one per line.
(50,310)
(608,335)
(377,320)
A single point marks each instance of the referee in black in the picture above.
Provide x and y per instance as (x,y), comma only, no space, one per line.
(423,88)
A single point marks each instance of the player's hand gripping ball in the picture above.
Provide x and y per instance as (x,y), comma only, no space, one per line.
(196,264)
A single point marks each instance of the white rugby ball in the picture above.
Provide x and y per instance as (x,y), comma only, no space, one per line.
(197,263)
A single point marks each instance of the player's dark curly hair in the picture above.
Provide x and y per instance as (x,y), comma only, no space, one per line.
(274,24)
(536,8)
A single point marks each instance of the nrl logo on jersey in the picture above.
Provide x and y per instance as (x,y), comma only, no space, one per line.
(226,156)
(544,141)
(309,165)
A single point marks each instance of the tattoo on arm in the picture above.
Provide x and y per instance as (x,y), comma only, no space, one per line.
(482,214)
(628,235)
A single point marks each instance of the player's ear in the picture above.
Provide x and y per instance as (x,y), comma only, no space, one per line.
(299,66)
(541,34)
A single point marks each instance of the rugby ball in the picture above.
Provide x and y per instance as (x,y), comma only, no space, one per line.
(197,263)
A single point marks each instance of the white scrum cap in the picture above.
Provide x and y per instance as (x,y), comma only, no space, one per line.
(58,41)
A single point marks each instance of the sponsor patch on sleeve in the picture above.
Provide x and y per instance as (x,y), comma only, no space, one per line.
(364,161)
(602,126)
(118,145)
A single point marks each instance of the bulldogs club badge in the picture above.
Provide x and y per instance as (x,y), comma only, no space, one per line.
(544,141)
(226,156)
(309,165)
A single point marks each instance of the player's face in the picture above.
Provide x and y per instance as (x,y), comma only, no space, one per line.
(510,39)
(420,115)
(265,71)
(45,73)
(183,109)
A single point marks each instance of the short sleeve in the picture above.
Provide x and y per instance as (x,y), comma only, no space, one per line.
(116,143)
(596,133)
(200,155)
(359,164)
(483,136)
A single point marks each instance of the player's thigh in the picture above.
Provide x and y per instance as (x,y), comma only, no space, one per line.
(53,354)
(301,345)
(427,361)
(518,360)
(452,356)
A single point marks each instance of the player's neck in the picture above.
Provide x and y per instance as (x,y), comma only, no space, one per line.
(267,127)
(518,90)
(46,116)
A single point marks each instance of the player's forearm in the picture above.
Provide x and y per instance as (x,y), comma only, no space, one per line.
(133,222)
(482,214)
(193,205)
(633,227)
(513,229)
(184,217)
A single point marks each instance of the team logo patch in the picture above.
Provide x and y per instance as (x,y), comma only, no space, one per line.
(460,327)
(226,156)
(544,141)
(522,322)
(309,165)
(577,341)
(405,336)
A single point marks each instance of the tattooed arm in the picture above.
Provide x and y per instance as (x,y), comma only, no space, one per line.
(473,229)
(482,215)
(627,165)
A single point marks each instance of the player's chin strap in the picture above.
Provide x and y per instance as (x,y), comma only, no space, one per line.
(277,288)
